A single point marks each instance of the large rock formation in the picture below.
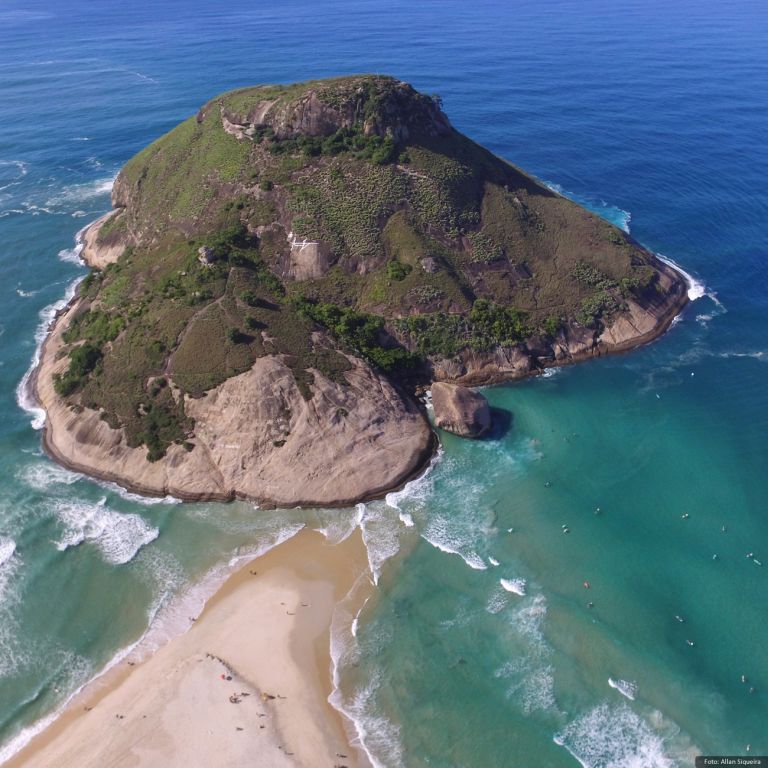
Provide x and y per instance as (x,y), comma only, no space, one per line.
(283,268)
(460,410)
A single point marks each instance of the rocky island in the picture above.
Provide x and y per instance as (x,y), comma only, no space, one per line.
(285,269)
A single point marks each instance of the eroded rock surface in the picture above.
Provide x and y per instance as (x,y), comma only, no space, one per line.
(460,410)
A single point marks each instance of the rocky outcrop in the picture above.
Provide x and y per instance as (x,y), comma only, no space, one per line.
(460,410)
(398,110)
(256,437)
(641,322)
(377,182)
(100,255)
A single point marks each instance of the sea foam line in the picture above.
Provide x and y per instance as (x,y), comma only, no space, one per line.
(696,289)
(24,397)
(373,734)
(196,596)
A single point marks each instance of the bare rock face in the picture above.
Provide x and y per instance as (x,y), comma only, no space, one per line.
(460,410)
(330,105)
(256,437)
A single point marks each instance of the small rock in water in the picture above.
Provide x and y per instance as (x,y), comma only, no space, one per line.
(460,410)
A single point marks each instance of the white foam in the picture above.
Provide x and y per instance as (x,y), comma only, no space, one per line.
(614,737)
(176,608)
(356,621)
(414,489)
(497,602)
(118,536)
(72,255)
(47,315)
(26,294)
(161,628)
(757,355)
(79,193)
(339,526)
(374,733)
(11,173)
(516,586)
(80,668)
(493,561)
(42,475)
(537,693)
(7,548)
(136,498)
(529,675)
(615,215)
(471,558)
(459,531)
(381,536)
(624,687)
(696,289)
(9,562)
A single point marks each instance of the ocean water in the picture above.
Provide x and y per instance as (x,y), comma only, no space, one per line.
(482,646)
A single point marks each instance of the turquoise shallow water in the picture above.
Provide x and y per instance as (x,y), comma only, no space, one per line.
(651,113)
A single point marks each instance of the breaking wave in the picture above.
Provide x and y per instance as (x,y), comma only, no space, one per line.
(48,315)
(614,737)
(516,586)
(118,536)
(616,216)
(624,687)
(79,193)
(8,563)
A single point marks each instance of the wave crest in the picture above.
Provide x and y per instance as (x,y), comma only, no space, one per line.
(118,536)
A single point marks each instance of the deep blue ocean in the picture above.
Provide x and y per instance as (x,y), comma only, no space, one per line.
(481,647)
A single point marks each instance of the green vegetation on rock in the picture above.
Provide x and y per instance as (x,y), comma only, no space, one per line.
(321,221)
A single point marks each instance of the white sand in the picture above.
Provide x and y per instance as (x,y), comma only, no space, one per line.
(269,632)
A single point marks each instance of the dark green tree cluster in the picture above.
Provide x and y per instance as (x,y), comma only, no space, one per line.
(378,150)
(358,330)
(82,360)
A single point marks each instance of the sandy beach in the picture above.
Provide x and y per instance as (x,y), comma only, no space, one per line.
(247,684)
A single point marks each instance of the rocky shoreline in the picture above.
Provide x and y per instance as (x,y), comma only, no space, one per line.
(333,440)
(328,466)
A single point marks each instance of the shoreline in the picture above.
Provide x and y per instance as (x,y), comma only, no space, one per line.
(268,628)
(90,256)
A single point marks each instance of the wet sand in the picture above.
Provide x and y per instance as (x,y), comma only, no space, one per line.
(248,684)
